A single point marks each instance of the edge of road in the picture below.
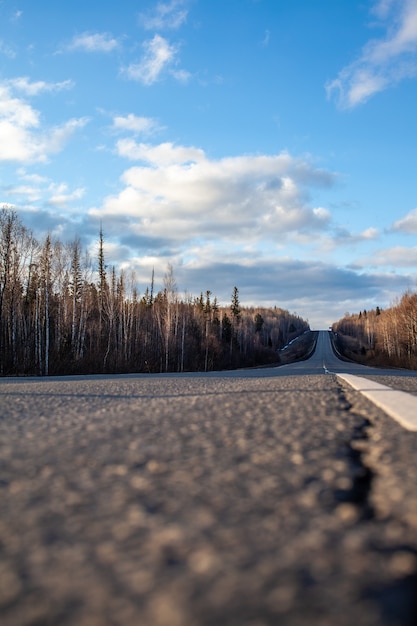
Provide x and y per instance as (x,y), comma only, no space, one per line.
(399,405)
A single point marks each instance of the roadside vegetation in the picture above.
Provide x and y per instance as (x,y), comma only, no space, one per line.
(381,337)
(62,312)
(300,348)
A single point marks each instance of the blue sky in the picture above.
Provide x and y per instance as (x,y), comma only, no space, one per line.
(266,144)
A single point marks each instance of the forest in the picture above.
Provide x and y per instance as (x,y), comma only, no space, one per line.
(63,312)
(381,337)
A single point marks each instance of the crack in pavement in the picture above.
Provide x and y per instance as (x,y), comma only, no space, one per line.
(362,475)
(397,598)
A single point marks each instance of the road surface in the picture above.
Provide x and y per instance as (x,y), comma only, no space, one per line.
(278,496)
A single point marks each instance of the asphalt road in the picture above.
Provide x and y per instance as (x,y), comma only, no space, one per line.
(251,498)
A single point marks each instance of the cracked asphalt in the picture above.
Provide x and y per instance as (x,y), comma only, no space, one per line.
(258,498)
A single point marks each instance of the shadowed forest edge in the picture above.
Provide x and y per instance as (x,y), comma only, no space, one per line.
(62,312)
(385,338)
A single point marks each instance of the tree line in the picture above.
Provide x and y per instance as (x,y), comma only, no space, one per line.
(382,337)
(62,312)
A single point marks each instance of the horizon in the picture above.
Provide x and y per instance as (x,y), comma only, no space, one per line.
(256,143)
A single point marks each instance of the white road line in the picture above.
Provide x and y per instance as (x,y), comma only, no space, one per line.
(400,405)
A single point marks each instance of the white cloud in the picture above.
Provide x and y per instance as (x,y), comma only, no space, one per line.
(397,256)
(32,178)
(55,140)
(383,62)
(342,235)
(22,139)
(29,88)
(159,55)
(31,193)
(93,42)
(16,111)
(331,239)
(166,15)
(407,224)
(17,123)
(179,194)
(369,234)
(136,124)
(35,188)
(61,197)
(160,155)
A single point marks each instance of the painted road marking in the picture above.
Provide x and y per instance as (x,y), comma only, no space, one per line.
(400,405)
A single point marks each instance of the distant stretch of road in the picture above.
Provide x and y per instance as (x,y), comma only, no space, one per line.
(394,396)
(270,497)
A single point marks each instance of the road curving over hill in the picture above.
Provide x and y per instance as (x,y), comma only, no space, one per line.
(255,498)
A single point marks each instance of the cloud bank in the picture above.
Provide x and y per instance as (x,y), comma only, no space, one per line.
(177,193)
